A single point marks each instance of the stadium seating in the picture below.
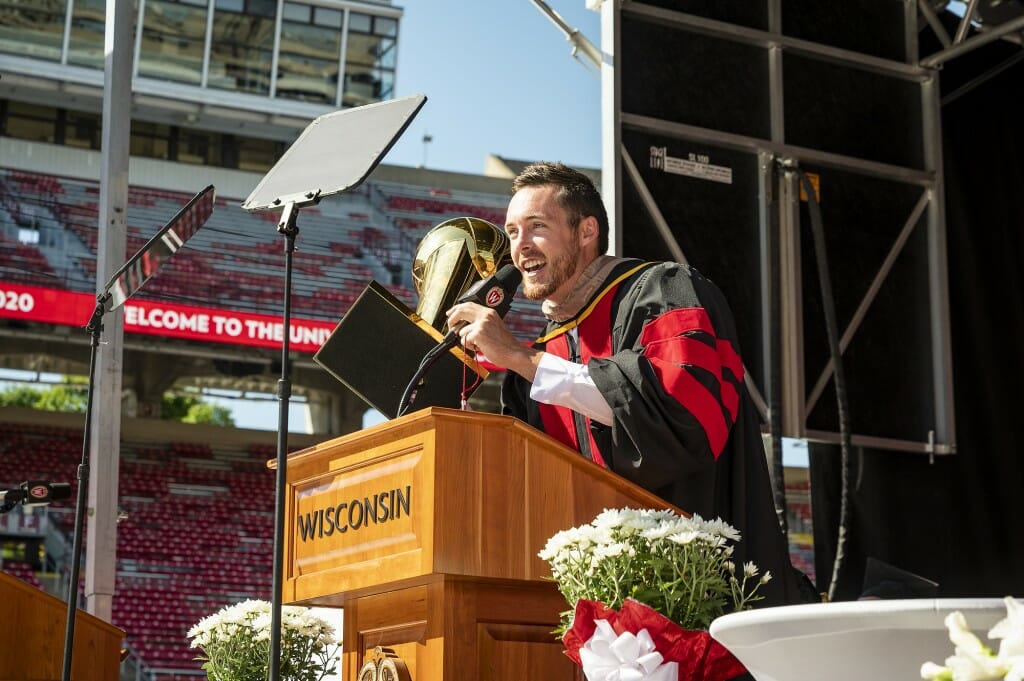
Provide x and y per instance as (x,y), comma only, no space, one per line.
(236,261)
(195,534)
(799,524)
(23,263)
(23,571)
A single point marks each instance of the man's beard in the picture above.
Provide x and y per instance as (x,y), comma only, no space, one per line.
(561,268)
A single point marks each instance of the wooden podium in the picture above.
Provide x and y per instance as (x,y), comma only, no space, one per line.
(32,631)
(426,531)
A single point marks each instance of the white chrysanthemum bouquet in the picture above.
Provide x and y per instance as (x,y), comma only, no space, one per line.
(235,643)
(680,567)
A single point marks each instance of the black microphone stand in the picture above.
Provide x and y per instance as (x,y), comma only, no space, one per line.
(288,228)
(125,282)
(95,328)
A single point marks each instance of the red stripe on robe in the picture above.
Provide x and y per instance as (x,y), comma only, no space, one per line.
(670,351)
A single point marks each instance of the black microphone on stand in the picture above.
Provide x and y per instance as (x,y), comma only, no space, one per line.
(34,493)
(495,292)
(45,492)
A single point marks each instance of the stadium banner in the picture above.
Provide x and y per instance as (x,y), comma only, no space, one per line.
(170,320)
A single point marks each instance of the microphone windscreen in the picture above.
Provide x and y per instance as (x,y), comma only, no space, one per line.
(60,490)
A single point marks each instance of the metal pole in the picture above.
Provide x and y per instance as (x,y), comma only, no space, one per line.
(288,228)
(101,537)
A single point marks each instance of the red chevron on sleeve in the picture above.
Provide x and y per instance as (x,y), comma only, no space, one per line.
(671,350)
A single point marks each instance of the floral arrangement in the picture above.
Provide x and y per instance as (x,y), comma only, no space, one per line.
(644,586)
(678,566)
(235,643)
(972,660)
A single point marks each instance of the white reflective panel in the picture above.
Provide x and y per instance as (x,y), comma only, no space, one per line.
(336,152)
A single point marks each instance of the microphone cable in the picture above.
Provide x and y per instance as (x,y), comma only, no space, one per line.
(468,389)
(409,395)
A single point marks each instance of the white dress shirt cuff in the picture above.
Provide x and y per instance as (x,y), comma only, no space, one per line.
(567,384)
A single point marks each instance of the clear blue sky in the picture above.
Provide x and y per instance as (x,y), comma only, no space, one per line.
(499,79)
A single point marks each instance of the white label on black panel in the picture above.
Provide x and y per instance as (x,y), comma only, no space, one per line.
(697,165)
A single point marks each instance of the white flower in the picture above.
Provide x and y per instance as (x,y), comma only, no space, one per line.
(930,670)
(612,550)
(1016,672)
(684,537)
(611,518)
(972,660)
(1011,631)
(577,537)
(661,530)
(721,528)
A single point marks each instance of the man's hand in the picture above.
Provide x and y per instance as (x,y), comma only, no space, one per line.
(482,330)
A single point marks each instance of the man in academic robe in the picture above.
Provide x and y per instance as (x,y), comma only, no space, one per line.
(639,368)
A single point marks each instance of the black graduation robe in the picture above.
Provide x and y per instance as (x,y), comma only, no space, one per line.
(660,343)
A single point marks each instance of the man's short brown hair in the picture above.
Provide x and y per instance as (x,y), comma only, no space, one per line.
(576,194)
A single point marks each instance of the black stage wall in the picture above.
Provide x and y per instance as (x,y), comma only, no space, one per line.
(957,520)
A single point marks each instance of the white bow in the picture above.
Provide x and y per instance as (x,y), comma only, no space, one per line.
(627,657)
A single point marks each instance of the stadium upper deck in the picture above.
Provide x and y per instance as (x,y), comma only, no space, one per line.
(264,66)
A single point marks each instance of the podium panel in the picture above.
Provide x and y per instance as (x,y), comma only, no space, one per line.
(32,632)
(451,629)
(426,530)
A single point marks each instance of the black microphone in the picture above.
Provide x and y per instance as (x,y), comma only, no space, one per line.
(36,492)
(45,492)
(495,292)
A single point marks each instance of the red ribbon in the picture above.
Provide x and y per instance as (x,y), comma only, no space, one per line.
(700,657)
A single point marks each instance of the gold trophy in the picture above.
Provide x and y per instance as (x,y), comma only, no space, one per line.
(450,258)
(377,346)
